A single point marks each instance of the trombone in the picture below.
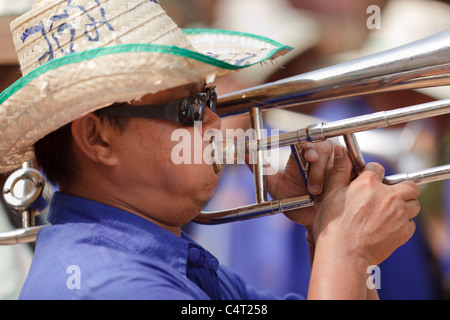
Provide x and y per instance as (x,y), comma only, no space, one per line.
(420,64)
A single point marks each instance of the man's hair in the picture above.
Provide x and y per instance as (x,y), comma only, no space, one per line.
(54,154)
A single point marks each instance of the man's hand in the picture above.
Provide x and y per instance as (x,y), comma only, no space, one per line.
(365,216)
(359,223)
(289,183)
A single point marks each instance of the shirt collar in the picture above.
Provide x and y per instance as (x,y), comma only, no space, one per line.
(125,230)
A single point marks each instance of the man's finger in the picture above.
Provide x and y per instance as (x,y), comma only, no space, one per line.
(408,189)
(341,173)
(375,168)
(319,166)
(413,208)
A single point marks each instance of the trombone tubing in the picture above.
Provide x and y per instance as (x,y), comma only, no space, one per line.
(280,206)
(421,177)
(420,64)
(322,131)
(17,236)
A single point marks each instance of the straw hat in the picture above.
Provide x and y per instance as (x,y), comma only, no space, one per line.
(77,56)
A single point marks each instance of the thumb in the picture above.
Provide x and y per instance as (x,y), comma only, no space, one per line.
(341,173)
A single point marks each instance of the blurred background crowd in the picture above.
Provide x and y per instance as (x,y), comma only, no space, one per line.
(271,252)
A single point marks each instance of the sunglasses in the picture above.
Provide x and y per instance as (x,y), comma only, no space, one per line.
(184,111)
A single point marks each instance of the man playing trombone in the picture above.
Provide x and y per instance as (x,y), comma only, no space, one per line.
(116,220)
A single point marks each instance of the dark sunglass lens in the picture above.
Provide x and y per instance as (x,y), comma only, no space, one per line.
(212,100)
(199,109)
(186,114)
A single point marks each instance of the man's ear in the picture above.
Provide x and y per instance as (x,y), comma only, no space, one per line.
(93,139)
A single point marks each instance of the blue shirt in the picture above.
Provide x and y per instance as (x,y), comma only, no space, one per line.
(93,251)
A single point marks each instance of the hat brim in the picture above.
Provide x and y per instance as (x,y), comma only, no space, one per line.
(66,88)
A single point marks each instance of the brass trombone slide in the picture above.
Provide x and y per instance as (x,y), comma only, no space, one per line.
(319,132)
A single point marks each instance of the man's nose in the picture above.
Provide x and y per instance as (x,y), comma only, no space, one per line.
(211,121)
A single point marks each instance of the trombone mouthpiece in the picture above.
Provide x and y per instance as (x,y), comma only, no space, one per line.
(226,152)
